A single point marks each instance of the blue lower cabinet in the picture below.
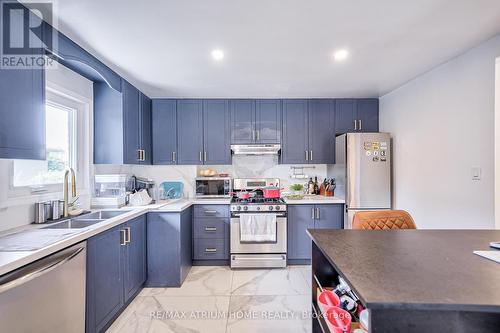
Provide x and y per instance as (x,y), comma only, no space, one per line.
(115,272)
(303,217)
(169,253)
(211,234)
(210,249)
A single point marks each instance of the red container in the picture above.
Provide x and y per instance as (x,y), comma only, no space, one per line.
(338,320)
(328,298)
(271,193)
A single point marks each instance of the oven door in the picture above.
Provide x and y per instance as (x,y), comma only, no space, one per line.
(259,247)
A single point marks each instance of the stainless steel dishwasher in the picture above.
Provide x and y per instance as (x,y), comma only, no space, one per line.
(47,295)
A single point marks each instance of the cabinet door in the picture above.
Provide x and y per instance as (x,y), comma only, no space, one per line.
(367,113)
(300,218)
(104,278)
(345,115)
(145,129)
(216,132)
(22,108)
(295,148)
(190,132)
(329,216)
(321,131)
(268,121)
(164,125)
(131,125)
(186,244)
(135,256)
(242,121)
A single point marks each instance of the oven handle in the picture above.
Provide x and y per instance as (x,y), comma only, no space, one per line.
(260,258)
(277,215)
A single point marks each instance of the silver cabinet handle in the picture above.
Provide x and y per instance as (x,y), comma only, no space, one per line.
(201,158)
(123,237)
(318,216)
(210,229)
(173,156)
(128,235)
(143,155)
(139,154)
(311,155)
(211,249)
(258,135)
(360,125)
(307,156)
(313,215)
(205,155)
(355,125)
(13,280)
(212,212)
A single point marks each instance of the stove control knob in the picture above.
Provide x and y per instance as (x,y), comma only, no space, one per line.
(258,208)
(245,208)
(271,207)
(239,208)
(278,207)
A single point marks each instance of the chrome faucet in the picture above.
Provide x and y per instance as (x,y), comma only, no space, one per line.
(65,189)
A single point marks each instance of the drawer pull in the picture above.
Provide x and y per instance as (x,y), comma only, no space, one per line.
(210,229)
(210,250)
(210,212)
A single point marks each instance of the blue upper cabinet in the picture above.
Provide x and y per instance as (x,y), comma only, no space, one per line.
(190,131)
(242,121)
(295,148)
(356,115)
(216,132)
(164,126)
(122,125)
(22,110)
(367,114)
(321,131)
(268,121)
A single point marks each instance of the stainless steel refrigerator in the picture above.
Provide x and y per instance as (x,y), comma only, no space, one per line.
(363,172)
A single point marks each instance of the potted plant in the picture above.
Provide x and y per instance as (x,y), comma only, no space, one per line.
(297,191)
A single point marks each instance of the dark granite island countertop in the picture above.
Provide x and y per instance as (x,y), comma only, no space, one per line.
(416,276)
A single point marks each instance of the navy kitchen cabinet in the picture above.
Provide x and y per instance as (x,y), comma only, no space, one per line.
(122,125)
(105,295)
(211,235)
(242,121)
(300,218)
(356,115)
(216,132)
(295,148)
(321,131)
(164,128)
(368,114)
(135,256)
(116,272)
(268,121)
(303,217)
(22,108)
(169,249)
(190,131)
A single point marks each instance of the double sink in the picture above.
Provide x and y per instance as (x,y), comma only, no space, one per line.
(86,220)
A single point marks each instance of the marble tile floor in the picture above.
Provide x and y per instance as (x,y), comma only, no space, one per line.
(220,300)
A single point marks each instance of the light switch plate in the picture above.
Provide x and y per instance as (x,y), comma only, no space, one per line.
(476,173)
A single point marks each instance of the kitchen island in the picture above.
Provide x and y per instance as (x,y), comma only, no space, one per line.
(412,280)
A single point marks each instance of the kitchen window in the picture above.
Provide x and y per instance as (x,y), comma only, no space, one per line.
(60,125)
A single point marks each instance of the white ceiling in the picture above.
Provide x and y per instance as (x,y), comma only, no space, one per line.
(275,48)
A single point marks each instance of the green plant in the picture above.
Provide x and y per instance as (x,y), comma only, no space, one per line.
(297,187)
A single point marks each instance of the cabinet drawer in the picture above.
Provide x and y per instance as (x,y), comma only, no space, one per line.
(206,249)
(211,211)
(210,227)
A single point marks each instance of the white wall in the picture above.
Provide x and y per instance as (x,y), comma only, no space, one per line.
(497,144)
(17,207)
(442,124)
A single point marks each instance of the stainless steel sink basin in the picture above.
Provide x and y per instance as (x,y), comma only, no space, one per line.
(74,224)
(101,215)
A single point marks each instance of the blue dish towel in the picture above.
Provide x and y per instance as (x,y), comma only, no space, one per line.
(171,190)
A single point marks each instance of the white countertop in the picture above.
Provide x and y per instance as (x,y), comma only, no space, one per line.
(10,261)
(314,199)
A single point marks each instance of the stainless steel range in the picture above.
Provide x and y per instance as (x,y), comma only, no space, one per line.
(253,215)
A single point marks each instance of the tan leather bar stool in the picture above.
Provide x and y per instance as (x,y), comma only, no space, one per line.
(383,220)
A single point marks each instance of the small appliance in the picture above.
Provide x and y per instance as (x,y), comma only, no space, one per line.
(213,187)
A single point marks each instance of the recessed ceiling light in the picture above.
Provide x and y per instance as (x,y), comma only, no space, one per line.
(218,55)
(340,55)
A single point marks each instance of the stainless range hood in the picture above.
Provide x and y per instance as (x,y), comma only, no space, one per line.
(273,149)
